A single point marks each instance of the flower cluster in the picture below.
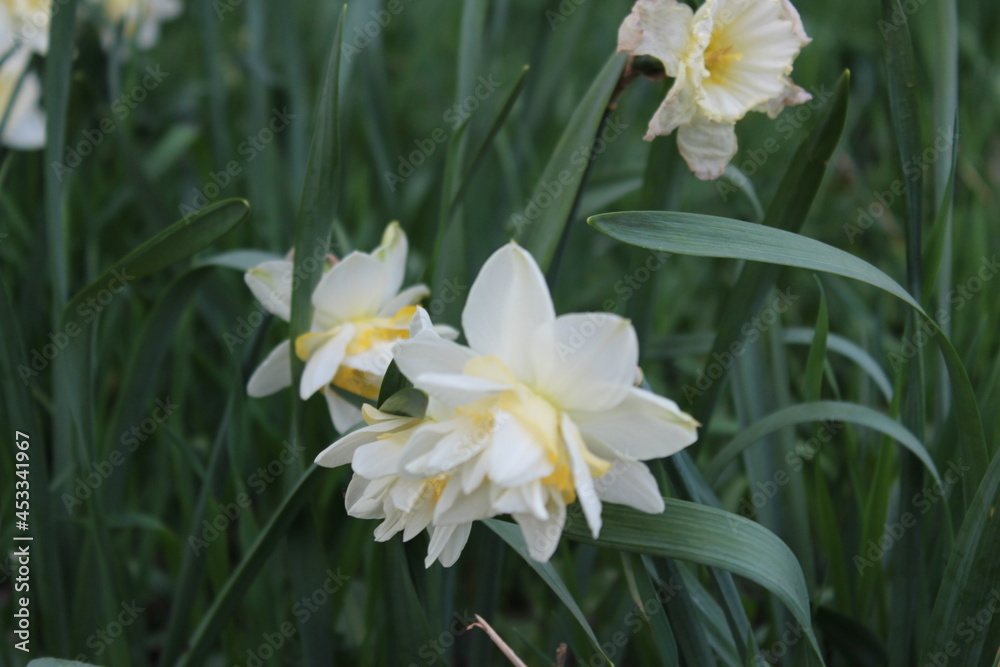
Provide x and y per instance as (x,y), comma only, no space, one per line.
(24,32)
(536,412)
(359,311)
(728,58)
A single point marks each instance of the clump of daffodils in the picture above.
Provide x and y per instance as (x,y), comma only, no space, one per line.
(535,413)
(728,58)
(359,312)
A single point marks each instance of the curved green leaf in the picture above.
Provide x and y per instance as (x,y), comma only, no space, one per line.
(970,588)
(708,536)
(178,241)
(847,348)
(814,412)
(246,572)
(710,236)
(541,235)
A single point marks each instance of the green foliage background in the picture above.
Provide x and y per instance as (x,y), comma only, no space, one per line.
(185,334)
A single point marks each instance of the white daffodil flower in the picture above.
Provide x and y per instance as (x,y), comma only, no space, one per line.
(359,312)
(25,24)
(540,410)
(139,20)
(20,94)
(728,58)
(377,492)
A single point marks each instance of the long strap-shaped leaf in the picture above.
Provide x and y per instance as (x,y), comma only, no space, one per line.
(710,236)
(541,235)
(511,534)
(249,568)
(970,588)
(178,241)
(819,411)
(708,536)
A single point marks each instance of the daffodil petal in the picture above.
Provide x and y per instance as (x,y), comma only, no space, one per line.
(643,426)
(707,146)
(582,481)
(273,374)
(507,302)
(376,458)
(392,254)
(585,361)
(353,289)
(456,390)
(516,457)
(542,537)
(271,284)
(658,28)
(446,544)
(343,413)
(678,108)
(630,483)
(430,354)
(408,297)
(323,362)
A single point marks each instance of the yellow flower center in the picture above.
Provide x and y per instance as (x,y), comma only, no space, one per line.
(535,414)
(371,333)
(719,56)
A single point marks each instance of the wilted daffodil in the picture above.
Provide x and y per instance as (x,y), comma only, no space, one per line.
(728,58)
(359,312)
(538,411)
(20,93)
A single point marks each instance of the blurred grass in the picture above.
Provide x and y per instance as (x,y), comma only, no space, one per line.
(181,338)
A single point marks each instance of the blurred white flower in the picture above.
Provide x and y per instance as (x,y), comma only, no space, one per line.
(359,312)
(537,412)
(139,20)
(377,492)
(25,24)
(728,58)
(20,94)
